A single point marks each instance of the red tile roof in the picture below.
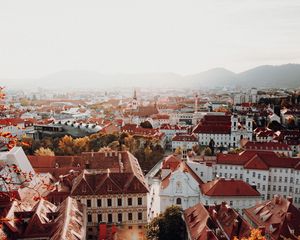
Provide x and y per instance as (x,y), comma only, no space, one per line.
(184,167)
(228,187)
(203,221)
(166,126)
(214,125)
(171,162)
(258,160)
(185,138)
(279,216)
(11,121)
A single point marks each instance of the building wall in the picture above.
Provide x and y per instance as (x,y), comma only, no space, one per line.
(181,186)
(238,203)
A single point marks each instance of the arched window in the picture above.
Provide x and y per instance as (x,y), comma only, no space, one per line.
(178,201)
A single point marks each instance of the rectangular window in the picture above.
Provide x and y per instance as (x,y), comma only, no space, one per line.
(89,218)
(109,202)
(140,201)
(140,216)
(99,217)
(129,201)
(129,216)
(99,202)
(88,203)
(109,218)
(120,217)
(119,202)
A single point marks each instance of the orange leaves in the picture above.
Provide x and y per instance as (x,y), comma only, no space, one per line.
(255,235)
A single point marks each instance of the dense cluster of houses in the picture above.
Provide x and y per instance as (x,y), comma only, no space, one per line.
(251,178)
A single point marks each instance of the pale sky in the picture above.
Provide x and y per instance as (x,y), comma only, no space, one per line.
(39,37)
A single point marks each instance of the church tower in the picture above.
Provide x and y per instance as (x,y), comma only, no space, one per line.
(134,102)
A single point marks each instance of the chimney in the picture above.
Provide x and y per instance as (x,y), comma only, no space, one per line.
(290,199)
(214,214)
(262,230)
(235,223)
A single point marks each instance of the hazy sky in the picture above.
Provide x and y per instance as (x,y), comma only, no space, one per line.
(123,36)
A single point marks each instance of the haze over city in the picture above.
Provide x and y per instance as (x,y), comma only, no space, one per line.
(39,38)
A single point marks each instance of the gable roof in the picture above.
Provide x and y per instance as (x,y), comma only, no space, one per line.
(222,187)
(260,160)
(279,217)
(215,222)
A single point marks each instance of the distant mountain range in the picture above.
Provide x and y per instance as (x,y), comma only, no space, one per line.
(284,76)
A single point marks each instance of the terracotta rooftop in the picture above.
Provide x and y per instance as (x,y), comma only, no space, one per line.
(228,187)
(45,220)
(215,222)
(214,125)
(261,160)
(279,216)
(185,138)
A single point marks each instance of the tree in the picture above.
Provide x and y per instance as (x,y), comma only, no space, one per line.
(66,145)
(255,235)
(178,151)
(146,124)
(44,152)
(208,151)
(81,145)
(212,146)
(168,226)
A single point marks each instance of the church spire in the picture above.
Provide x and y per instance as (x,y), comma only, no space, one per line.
(134,95)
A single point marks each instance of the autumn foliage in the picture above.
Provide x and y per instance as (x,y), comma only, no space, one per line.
(255,235)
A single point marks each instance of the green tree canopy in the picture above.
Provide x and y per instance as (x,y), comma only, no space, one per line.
(168,226)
